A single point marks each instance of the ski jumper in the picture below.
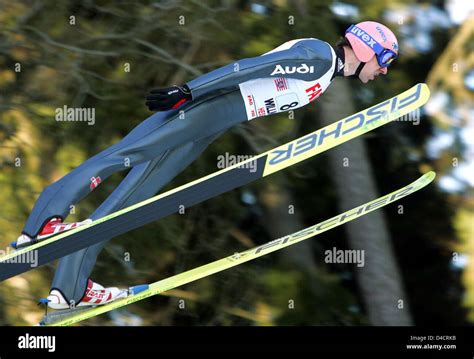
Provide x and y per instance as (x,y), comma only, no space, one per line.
(290,76)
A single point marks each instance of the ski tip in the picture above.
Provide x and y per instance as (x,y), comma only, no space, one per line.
(429,176)
(424,86)
(426,90)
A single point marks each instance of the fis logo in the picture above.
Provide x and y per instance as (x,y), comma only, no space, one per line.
(372,117)
(302,69)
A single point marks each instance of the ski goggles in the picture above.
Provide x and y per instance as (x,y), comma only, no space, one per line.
(384,56)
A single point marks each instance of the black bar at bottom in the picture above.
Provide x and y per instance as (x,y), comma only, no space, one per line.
(237,339)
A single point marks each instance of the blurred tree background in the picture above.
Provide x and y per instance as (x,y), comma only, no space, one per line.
(106,55)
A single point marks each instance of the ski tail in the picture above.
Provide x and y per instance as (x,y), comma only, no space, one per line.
(248,255)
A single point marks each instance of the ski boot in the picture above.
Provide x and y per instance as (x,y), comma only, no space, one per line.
(53,227)
(94,295)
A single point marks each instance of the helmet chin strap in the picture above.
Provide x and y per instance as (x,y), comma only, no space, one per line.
(359,69)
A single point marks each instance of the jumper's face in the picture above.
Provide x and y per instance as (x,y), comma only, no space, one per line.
(371,70)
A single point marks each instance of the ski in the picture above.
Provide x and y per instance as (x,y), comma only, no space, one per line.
(212,185)
(144,291)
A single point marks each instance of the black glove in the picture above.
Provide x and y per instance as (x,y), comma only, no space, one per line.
(164,99)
